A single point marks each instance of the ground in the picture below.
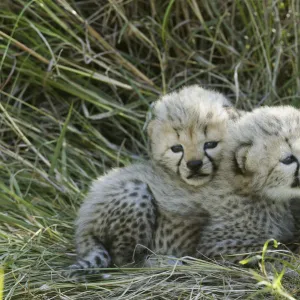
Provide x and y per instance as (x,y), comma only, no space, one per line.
(77,81)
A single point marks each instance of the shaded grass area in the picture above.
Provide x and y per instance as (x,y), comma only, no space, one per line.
(77,79)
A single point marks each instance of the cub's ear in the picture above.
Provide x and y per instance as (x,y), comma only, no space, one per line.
(151,126)
(233,113)
(241,155)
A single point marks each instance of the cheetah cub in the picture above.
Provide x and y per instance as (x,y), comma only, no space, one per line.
(124,207)
(256,195)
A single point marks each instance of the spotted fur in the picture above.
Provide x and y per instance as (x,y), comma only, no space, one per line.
(145,206)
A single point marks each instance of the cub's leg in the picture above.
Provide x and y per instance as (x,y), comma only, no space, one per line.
(132,226)
(91,253)
(115,229)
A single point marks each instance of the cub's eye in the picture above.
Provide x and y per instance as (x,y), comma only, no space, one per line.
(210,145)
(289,160)
(177,148)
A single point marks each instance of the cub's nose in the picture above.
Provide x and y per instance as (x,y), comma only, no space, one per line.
(194,165)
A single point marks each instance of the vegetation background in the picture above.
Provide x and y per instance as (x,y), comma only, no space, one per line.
(77,79)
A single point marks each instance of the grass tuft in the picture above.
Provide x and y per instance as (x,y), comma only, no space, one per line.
(77,79)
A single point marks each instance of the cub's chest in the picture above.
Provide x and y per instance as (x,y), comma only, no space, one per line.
(263,219)
(177,235)
(246,229)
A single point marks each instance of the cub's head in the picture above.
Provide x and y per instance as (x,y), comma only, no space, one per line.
(264,152)
(188,131)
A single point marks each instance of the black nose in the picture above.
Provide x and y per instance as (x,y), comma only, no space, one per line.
(194,165)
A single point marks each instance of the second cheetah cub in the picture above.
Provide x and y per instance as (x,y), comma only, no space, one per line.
(124,207)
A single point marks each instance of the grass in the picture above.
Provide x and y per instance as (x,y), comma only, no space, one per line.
(77,79)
